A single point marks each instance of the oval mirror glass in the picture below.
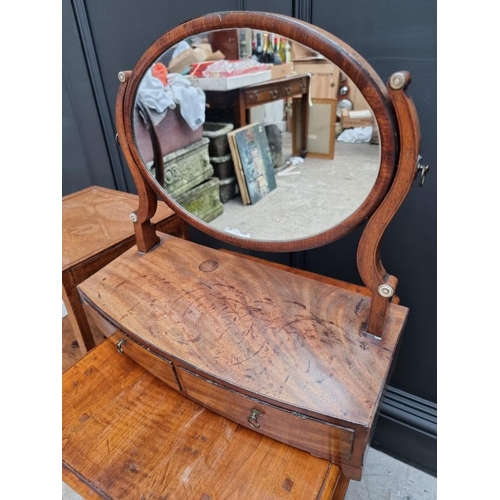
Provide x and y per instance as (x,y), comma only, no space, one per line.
(250,133)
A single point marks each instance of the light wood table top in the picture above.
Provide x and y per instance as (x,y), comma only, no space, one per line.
(126,435)
(96,219)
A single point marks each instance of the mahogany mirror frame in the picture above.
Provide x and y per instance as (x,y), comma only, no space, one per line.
(393,111)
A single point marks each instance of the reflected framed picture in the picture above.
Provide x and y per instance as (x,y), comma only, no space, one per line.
(321,128)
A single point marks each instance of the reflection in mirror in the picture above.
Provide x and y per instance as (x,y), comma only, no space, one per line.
(256,135)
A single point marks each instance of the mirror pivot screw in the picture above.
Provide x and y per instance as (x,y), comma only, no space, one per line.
(397,81)
(385,290)
(122,77)
(133,217)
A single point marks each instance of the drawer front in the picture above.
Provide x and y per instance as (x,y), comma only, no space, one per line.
(102,324)
(320,438)
(262,95)
(293,88)
(160,367)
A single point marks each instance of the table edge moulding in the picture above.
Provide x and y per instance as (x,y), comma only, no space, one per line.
(289,355)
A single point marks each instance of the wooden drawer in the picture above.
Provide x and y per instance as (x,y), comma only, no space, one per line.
(262,96)
(315,436)
(293,88)
(157,365)
(280,90)
(102,324)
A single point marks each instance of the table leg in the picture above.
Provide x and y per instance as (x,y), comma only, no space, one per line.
(304,114)
(341,488)
(76,313)
(240,111)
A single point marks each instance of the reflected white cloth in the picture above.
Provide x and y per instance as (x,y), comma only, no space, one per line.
(180,48)
(356,135)
(179,91)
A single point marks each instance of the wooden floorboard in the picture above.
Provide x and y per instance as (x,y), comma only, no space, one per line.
(70,350)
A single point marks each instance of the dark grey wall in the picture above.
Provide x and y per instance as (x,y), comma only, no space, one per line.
(84,152)
(403,38)
(102,38)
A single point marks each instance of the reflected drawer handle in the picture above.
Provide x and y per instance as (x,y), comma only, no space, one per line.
(253,95)
(119,346)
(274,93)
(288,90)
(252,418)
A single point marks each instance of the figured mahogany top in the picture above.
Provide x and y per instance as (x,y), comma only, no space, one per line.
(270,333)
(95,219)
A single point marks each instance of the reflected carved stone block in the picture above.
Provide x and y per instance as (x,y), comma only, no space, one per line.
(203,201)
(217,134)
(227,189)
(223,166)
(186,168)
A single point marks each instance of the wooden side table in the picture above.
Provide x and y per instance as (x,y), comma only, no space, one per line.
(127,435)
(96,228)
(244,98)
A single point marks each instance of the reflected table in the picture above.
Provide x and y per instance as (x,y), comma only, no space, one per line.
(243,98)
(127,435)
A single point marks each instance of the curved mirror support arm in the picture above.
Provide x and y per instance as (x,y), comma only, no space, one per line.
(145,233)
(373,273)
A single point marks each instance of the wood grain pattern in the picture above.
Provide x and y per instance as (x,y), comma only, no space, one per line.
(71,353)
(145,233)
(308,274)
(322,439)
(285,338)
(96,219)
(106,328)
(127,436)
(158,366)
(369,262)
(96,228)
(302,344)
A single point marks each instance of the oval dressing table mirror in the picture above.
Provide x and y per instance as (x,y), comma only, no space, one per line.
(301,358)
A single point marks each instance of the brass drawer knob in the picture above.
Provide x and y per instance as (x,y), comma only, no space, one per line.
(252,418)
(119,346)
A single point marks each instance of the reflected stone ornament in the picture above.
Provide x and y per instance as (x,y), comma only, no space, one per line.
(186,168)
(203,201)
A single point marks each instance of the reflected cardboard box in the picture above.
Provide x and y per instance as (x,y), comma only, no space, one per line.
(353,119)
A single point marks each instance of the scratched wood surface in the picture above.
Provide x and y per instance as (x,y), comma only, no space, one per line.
(274,334)
(126,435)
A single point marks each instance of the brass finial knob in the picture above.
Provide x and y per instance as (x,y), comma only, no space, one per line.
(386,290)
(397,81)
